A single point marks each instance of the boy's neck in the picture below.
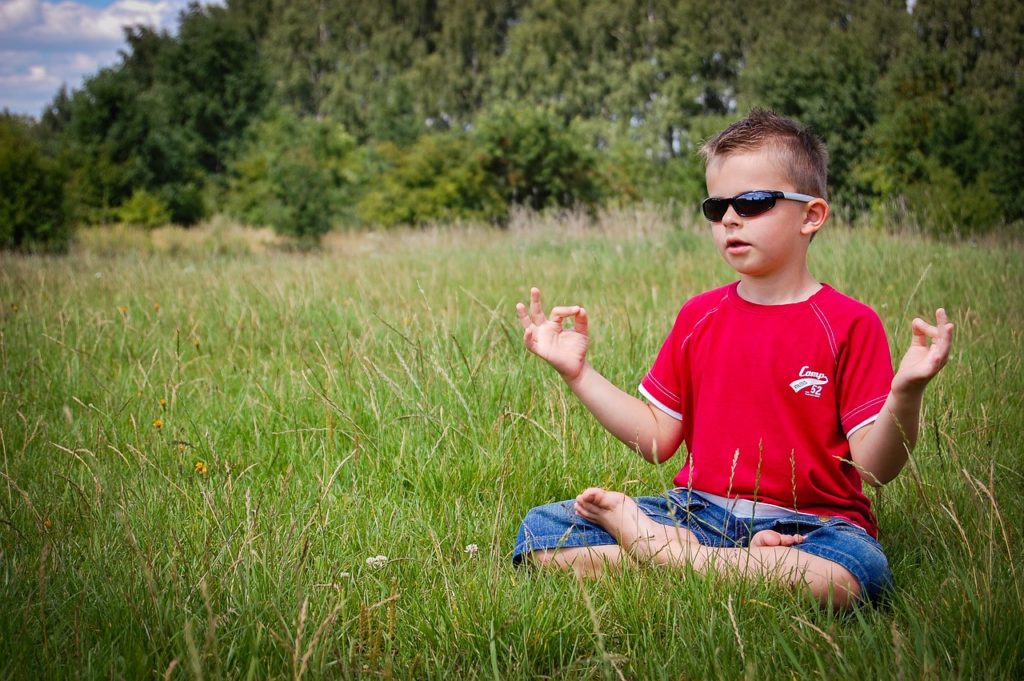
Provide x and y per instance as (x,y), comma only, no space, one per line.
(776,290)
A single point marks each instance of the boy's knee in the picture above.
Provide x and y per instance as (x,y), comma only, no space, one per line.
(840,588)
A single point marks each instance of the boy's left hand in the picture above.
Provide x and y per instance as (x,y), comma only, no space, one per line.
(924,359)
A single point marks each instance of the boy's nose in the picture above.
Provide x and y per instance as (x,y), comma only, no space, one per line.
(731,217)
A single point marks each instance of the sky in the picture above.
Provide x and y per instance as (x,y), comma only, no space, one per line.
(46,43)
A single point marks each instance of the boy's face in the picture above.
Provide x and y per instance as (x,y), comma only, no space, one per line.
(774,242)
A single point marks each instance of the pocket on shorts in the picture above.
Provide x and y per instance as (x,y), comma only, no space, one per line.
(710,524)
(686,498)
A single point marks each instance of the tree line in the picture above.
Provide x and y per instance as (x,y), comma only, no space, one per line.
(307,114)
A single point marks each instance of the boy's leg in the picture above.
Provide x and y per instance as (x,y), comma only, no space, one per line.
(555,535)
(584,561)
(769,555)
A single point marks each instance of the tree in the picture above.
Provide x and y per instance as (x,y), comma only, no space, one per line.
(32,209)
(824,71)
(949,123)
(535,159)
(292,174)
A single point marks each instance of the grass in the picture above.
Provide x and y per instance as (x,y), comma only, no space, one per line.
(374,399)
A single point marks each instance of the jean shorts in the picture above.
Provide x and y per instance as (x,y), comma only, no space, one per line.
(556,525)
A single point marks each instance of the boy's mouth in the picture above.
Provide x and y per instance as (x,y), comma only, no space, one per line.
(734,245)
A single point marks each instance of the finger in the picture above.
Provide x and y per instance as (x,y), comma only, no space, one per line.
(945,327)
(536,311)
(582,322)
(558,314)
(944,340)
(524,318)
(922,331)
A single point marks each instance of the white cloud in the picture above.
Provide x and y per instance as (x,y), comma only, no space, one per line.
(17,13)
(48,43)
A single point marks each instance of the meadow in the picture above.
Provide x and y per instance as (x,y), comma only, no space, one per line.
(222,458)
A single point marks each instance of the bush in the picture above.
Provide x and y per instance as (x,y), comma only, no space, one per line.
(301,206)
(637,170)
(514,155)
(144,209)
(32,206)
(535,159)
(943,206)
(292,175)
(437,178)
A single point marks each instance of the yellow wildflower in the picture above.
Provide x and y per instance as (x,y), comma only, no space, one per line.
(156,306)
(201,468)
(163,402)
(158,423)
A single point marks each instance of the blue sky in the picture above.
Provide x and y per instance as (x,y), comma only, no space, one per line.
(44,43)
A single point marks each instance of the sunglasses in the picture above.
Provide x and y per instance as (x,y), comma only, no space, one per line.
(748,204)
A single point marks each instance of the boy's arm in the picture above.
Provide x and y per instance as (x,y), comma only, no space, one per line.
(654,434)
(881,450)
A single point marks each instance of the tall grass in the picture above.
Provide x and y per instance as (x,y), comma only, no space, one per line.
(374,399)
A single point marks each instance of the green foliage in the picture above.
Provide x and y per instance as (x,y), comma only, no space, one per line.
(824,70)
(903,94)
(947,136)
(440,177)
(32,206)
(636,168)
(211,84)
(535,159)
(514,155)
(292,174)
(940,204)
(165,118)
(144,209)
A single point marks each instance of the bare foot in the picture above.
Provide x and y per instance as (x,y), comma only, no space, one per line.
(773,538)
(624,520)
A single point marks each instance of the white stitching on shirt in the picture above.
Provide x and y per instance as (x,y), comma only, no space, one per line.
(828,330)
(867,405)
(663,388)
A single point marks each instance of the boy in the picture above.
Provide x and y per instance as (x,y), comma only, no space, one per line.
(781,387)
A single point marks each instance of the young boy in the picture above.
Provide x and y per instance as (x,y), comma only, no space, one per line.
(781,387)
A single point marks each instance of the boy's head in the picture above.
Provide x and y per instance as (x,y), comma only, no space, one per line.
(799,153)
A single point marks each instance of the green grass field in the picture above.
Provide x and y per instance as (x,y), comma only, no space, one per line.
(202,446)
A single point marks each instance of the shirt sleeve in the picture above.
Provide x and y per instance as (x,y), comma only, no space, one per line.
(663,384)
(865,373)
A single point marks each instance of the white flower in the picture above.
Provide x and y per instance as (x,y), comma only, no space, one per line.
(472,549)
(377,561)
(344,575)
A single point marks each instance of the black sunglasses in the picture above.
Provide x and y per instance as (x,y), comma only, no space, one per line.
(748,204)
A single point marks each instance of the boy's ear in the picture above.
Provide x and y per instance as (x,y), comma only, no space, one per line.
(815,214)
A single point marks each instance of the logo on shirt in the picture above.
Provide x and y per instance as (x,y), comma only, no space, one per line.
(809,381)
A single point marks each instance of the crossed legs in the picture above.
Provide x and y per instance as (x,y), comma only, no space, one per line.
(769,555)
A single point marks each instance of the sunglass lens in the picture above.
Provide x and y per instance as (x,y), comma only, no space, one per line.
(714,209)
(753,203)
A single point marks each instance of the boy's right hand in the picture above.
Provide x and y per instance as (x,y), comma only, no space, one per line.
(563,348)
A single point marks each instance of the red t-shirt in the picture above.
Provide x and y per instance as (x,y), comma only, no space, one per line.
(768,396)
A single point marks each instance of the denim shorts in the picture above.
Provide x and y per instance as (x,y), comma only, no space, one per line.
(556,525)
